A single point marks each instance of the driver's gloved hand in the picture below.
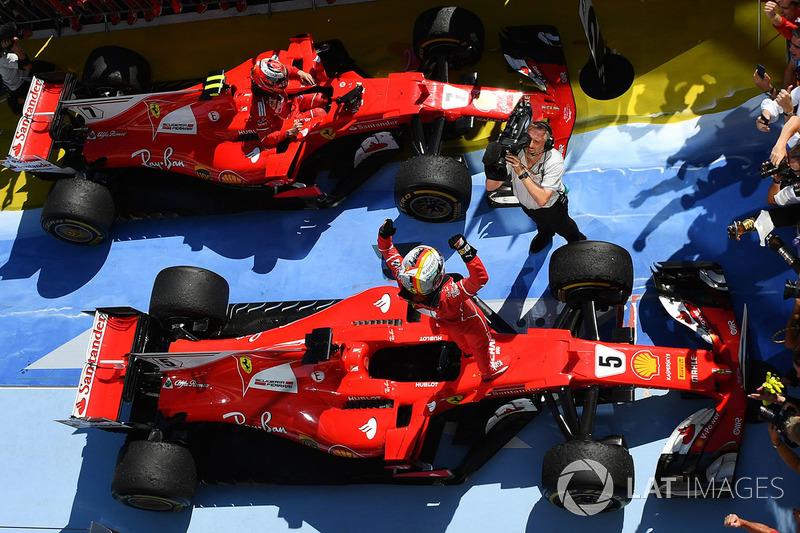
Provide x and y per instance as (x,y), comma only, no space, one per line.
(387,229)
(460,245)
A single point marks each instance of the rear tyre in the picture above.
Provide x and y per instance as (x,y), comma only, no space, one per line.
(154,476)
(115,71)
(452,32)
(190,295)
(591,270)
(78,211)
(433,188)
(587,477)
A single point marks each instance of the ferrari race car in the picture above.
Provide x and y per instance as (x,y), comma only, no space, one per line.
(359,390)
(115,149)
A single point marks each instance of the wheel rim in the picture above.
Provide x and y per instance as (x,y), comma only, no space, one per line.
(431,206)
(75,232)
(152,503)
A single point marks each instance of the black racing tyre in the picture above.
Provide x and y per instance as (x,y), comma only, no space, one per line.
(187,293)
(115,71)
(595,270)
(78,211)
(154,476)
(587,477)
(453,32)
(433,188)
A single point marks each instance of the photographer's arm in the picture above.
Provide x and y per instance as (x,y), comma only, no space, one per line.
(786,453)
(492,185)
(23,61)
(778,153)
(539,194)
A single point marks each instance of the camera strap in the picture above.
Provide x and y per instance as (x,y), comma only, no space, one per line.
(562,192)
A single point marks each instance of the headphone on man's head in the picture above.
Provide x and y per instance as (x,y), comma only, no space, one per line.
(549,143)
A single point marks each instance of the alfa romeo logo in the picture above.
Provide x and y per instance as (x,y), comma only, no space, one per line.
(589,502)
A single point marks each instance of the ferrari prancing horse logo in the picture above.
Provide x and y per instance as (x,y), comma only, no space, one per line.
(246,364)
(328,133)
(155,109)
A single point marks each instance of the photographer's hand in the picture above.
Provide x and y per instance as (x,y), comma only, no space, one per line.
(784,99)
(515,163)
(762,83)
(774,437)
(762,122)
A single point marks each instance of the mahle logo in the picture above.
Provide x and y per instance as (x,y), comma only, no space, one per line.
(584,501)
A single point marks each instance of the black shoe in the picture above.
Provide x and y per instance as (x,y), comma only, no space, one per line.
(539,243)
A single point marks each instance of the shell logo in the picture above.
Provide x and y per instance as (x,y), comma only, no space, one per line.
(645,365)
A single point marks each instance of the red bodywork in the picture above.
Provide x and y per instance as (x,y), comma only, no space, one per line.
(260,380)
(179,132)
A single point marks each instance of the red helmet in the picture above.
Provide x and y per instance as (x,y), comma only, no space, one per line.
(270,75)
(422,270)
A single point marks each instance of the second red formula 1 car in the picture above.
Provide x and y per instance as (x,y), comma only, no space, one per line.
(360,390)
(108,140)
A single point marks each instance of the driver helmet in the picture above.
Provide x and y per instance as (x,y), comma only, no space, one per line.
(270,75)
(422,270)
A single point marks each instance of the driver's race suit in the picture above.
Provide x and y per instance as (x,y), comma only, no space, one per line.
(452,306)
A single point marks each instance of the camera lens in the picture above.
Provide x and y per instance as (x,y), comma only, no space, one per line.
(790,290)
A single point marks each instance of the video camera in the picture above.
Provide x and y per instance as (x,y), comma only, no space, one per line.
(512,139)
(783,171)
(778,417)
(8,31)
(791,290)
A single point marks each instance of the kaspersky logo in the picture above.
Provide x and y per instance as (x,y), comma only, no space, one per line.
(588,503)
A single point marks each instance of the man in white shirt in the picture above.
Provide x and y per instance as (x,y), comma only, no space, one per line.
(784,191)
(536,173)
(15,67)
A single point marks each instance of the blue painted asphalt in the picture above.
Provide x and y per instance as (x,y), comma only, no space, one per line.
(662,192)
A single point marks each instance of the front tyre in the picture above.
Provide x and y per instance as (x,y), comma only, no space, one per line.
(452,32)
(154,476)
(78,211)
(433,188)
(587,477)
(591,270)
(190,296)
(115,71)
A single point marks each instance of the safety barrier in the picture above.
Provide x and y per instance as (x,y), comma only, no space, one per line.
(67,16)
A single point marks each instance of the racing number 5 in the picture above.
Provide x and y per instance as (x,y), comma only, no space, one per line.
(608,360)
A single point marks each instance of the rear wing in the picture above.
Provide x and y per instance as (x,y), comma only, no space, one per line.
(98,401)
(32,144)
(699,458)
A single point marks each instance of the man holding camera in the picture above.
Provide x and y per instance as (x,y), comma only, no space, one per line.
(784,192)
(536,173)
(15,67)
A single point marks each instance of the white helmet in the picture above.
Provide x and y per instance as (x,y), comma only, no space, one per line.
(422,270)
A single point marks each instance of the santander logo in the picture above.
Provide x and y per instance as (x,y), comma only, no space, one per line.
(24,125)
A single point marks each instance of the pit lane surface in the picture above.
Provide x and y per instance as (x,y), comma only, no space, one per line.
(660,170)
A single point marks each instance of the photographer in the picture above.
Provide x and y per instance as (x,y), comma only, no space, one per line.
(778,102)
(785,188)
(783,192)
(783,419)
(15,67)
(535,172)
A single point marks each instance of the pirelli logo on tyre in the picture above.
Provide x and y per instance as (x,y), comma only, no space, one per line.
(431,205)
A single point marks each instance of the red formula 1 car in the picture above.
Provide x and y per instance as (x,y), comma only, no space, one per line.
(360,390)
(108,141)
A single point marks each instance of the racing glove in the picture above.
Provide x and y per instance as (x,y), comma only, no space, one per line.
(387,229)
(460,245)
